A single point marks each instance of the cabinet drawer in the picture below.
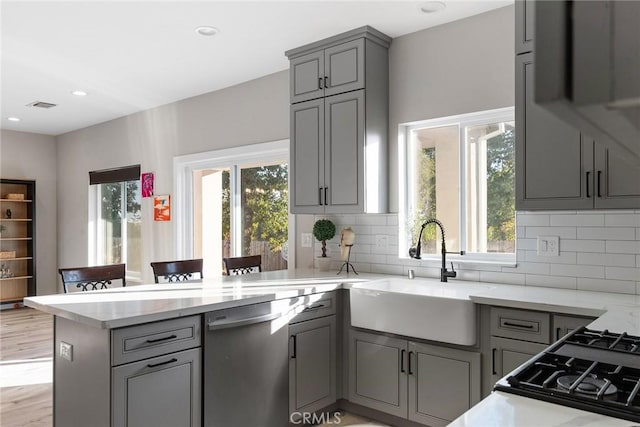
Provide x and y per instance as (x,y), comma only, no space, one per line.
(154,339)
(523,325)
(314,306)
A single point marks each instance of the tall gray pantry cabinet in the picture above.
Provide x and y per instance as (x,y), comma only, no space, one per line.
(557,166)
(339,124)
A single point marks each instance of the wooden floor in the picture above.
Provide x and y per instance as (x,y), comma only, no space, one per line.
(26,368)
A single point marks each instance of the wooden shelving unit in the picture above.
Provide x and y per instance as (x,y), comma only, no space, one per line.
(17,241)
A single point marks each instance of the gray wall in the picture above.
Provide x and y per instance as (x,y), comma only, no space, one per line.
(249,113)
(457,68)
(33,156)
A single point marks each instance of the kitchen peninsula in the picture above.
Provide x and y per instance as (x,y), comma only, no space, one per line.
(111,332)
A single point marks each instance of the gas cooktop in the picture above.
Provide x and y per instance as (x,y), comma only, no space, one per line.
(597,371)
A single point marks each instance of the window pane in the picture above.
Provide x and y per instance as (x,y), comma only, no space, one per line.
(134,228)
(111,221)
(490,197)
(264,204)
(435,185)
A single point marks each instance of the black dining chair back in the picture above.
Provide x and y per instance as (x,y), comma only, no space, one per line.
(242,265)
(92,278)
(177,271)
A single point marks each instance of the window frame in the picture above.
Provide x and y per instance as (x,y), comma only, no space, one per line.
(95,239)
(232,158)
(405,168)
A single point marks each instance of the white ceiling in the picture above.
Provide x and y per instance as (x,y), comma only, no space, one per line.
(131,56)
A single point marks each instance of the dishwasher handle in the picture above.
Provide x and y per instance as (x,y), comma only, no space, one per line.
(234,323)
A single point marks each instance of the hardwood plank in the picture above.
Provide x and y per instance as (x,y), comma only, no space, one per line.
(26,345)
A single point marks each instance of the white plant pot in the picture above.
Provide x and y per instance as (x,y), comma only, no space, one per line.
(324,264)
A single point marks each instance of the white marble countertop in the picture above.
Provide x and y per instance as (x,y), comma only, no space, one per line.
(132,305)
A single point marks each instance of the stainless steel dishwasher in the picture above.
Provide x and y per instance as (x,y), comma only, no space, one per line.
(245,361)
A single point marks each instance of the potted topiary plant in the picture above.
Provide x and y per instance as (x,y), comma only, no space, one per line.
(324,230)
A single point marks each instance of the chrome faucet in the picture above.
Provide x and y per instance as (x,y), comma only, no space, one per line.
(415,252)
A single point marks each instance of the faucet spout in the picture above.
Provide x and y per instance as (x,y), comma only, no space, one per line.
(415,252)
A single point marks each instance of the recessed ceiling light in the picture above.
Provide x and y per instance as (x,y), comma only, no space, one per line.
(79,93)
(13,119)
(432,6)
(206,30)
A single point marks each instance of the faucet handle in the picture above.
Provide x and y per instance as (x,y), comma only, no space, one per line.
(452,269)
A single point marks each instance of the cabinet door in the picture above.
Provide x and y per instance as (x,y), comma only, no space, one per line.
(617,181)
(312,365)
(507,355)
(562,325)
(344,152)
(551,168)
(162,391)
(443,383)
(378,372)
(525,14)
(307,157)
(344,67)
(306,76)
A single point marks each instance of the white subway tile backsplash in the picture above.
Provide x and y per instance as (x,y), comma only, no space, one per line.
(563,258)
(616,286)
(551,281)
(622,273)
(593,271)
(392,219)
(615,260)
(623,247)
(532,220)
(637,260)
(562,232)
(570,245)
(371,219)
(577,220)
(622,220)
(386,269)
(606,233)
(528,267)
(527,244)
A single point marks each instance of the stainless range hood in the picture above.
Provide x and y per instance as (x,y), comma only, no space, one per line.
(587,68)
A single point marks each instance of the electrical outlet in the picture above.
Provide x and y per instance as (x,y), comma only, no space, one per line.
(548,246)
(307,241)
(381,241)
(66,351)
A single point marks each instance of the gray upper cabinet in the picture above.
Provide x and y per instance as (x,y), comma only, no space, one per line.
(339,124)
(616,180)
(328,72)
(524,10)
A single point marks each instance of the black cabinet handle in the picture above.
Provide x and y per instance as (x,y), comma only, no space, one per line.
(294,349)
(320,83)
(402,352)
(155,365)
(493,361)
(314,307)
(517,325)
(409,363)
(162,339)
(320,196)
(326,85)
(326,200)
(558,332)
(588,173)
(599,179)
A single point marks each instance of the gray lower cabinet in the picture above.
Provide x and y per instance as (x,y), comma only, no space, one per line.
(563,324)
(424,383)
(312,365)
(557,167)
(507,354)
(162,391)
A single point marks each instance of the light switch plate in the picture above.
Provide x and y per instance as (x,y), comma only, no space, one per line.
(548,246)
(307,241)
(66,351)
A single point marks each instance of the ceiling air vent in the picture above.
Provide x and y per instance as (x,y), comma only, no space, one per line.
(41,104)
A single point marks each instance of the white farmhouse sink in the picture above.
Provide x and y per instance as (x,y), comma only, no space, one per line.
(421,308)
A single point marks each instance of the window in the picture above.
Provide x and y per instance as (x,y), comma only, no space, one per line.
(460,170)
(115,219)
(234,202)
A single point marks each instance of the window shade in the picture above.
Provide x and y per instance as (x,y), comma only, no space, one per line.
(105,176)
